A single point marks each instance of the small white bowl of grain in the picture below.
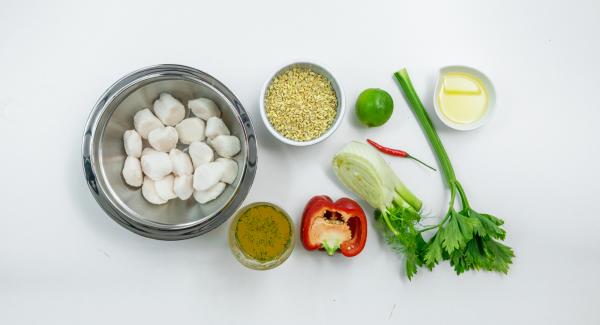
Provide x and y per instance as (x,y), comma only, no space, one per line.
(302,104)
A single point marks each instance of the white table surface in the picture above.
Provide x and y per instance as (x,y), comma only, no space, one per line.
(63,261)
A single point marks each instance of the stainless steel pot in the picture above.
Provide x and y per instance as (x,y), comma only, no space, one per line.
(104,155)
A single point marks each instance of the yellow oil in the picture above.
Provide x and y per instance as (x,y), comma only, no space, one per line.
(462,98)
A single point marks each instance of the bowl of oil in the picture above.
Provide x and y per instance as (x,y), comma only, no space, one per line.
(261,236)
(464,98)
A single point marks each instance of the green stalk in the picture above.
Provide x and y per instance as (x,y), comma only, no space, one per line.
(421,114)
(406,198)
(435,141)
(389,224)
(463,196)
(450,208)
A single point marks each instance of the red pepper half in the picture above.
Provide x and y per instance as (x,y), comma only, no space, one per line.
(334,225)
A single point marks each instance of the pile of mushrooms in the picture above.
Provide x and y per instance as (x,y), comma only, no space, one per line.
(164,172)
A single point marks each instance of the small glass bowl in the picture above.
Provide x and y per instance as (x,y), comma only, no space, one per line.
(248,261)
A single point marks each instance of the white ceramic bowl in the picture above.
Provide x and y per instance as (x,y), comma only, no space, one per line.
(486,83)
(341,107)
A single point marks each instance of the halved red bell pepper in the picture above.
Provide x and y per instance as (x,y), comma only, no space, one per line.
(334,225)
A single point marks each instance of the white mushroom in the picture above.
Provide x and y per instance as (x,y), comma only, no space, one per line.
(204,108)
(190,130)
(230,169)
(164,188)
(163,139)
(207,175)
(182,164)
(210,194)
(132,172)
(145,122)
(201,153)
(182,186)
(168,109)
(226,145)
(156,164)
(149,192)
(215,127)
(133,143)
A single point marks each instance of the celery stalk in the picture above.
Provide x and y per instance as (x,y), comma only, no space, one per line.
(466,238)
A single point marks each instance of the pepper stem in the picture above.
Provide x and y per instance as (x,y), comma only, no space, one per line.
(422,163)
(331,247)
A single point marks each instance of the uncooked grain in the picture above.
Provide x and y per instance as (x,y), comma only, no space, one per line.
(301,104)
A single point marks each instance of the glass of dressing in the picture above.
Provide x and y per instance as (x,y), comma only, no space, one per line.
(464,98)
(261,236)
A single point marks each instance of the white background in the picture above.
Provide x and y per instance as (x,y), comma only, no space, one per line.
(63,261)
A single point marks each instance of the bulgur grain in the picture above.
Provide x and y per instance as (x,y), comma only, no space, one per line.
(301,104)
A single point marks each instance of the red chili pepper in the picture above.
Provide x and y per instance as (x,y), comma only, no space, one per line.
(396,152)
(334,225)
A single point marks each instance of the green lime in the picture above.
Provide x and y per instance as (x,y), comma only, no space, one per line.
(374,107)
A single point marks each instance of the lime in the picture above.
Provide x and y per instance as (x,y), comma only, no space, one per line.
(374,107)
